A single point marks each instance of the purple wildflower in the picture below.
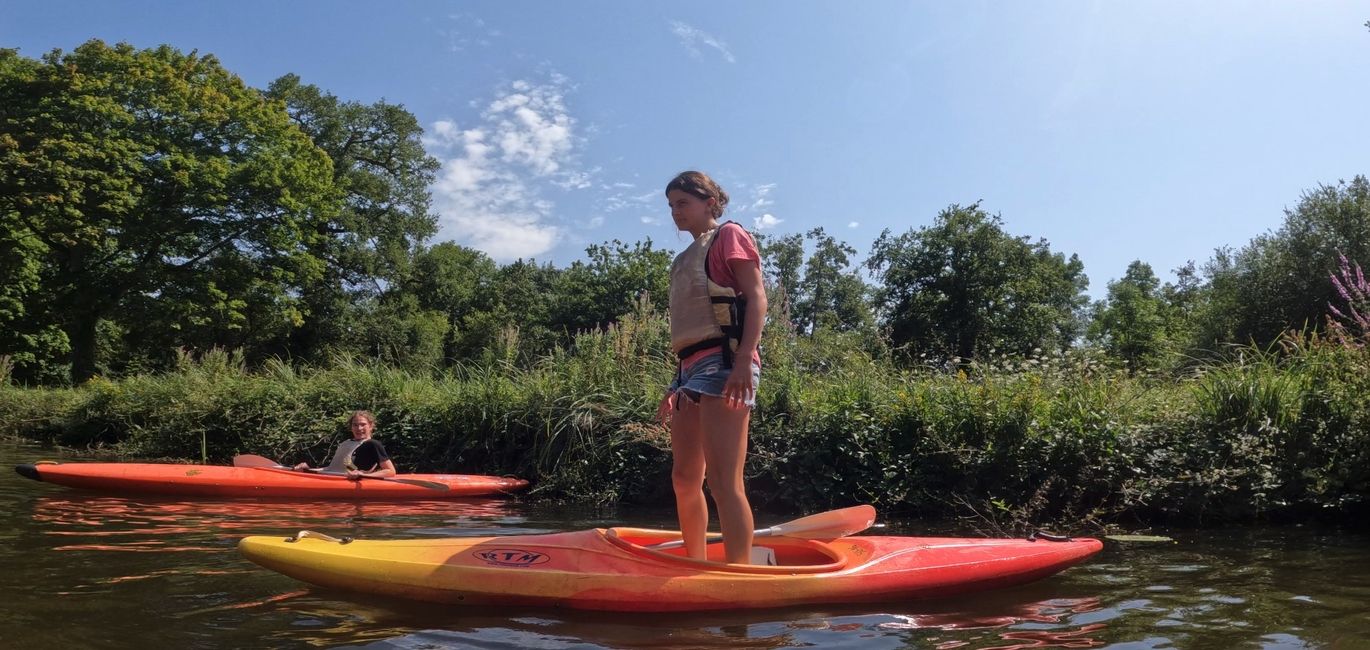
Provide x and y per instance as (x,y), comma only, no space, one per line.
(1354,290)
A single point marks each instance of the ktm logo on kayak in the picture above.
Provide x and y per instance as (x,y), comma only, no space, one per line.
(512,557)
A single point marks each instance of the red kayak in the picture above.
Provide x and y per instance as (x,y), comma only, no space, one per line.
(221,481)
(618,569)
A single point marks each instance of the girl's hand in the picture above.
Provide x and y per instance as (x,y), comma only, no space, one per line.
(739,387)
(300,467)
(354,475)
(663,410)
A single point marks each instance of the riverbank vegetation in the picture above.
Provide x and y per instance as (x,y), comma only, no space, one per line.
(1274,434)
(195,268)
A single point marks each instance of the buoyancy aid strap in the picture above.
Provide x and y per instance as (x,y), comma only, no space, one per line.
(706,344)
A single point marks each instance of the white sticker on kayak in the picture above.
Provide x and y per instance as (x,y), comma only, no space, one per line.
(514,557)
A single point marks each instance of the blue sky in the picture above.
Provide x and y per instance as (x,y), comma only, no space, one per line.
(1117,131)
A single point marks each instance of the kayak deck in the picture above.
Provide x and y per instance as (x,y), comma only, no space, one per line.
(223,481)
(613,569)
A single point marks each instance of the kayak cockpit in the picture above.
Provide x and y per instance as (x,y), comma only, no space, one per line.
(792,555)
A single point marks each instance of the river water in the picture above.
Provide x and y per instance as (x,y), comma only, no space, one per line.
(87,570)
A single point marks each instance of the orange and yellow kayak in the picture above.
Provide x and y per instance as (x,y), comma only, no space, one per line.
(222,481)
(613,569)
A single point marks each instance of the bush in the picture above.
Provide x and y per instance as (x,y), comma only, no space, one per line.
(1276,433)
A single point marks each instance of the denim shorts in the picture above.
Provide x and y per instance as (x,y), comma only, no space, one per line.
(708,376)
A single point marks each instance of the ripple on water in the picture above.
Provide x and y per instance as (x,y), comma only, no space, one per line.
(164,572)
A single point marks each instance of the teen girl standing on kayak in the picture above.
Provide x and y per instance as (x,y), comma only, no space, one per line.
(718,305)
(362,455)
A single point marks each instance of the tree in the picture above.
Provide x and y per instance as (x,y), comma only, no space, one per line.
(963,285)
(831,294)
(33,344)
(594,293)
(782,258)
(137,171)
(518,305)
(1130,322)
(1279,280)
(383,173)
(455,281)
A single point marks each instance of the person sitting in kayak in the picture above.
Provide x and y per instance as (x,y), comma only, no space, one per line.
(718,306)
(362,455)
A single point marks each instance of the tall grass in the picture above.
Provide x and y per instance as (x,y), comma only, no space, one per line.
(1259,434)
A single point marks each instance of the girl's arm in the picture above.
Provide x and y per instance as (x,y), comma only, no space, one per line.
(750,284)
(739,387)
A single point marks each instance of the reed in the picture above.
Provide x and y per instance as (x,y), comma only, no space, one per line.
(1272,433)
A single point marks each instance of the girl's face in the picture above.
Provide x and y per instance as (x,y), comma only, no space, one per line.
(690,212)
(361,428)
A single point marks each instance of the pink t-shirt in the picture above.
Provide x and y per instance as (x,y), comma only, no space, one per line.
(731,243)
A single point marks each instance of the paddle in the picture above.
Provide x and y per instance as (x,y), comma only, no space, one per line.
(253,460)
(824,525)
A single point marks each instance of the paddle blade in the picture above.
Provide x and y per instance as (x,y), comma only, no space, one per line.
(827,525)
(824,525)
(432,485)
(253,460)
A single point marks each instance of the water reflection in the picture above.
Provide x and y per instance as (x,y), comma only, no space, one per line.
(1009,620)
(783,629)
(88,570)
(103,523)
(1050,611)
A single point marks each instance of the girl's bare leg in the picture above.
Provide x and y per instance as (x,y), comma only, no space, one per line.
(723,430)
(687,476)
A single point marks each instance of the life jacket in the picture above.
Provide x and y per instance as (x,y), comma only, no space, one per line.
(342,456)
(345,456)
(704,314)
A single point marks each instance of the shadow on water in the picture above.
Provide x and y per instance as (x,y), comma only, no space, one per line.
(82,569)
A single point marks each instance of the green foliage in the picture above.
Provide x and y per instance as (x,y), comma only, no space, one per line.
(832,295)
(382,173)
(1131,321)
(1283,431)
(781,258)
(594,293)
(514,314)
(963,286)
(396,331)
(131,172)
(1279,280)
(829,295)
(1062,437)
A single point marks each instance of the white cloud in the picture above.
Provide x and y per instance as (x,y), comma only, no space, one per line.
(691,38)
(488,192)
(463,30)
(620,201)
(576,180)
(532,126)
(761,197)
(853,224)
(766,221)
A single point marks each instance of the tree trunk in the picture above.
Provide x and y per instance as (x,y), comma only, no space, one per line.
(81,334)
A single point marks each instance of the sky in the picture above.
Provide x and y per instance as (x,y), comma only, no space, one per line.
(1153,131)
